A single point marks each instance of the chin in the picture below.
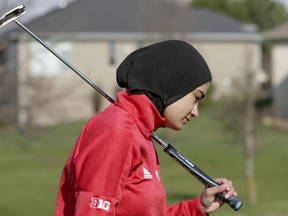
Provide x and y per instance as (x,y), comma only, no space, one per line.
(175,127)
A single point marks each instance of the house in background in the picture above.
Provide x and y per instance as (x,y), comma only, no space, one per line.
(278,38)
(96,36)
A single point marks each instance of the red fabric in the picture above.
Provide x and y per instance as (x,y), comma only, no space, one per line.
(113,168)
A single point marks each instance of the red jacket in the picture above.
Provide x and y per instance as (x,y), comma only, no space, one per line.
(113,168)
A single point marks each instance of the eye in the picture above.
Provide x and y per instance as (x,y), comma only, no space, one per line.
(197,98)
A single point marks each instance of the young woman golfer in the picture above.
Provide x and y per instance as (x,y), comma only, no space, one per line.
(113,168)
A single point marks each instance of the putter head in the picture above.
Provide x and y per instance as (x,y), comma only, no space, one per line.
(12,15)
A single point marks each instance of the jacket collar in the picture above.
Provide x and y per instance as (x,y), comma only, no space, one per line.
(142,110)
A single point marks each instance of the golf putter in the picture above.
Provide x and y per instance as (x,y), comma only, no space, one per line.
(233,202)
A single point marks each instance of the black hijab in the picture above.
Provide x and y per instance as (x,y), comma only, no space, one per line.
(165,72)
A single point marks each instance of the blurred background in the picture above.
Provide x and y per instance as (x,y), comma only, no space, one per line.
(242,131)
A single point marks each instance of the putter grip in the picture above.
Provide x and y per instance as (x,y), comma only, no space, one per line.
(233,202)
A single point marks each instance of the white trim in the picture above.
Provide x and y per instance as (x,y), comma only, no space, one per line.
(211,36)
(275,36)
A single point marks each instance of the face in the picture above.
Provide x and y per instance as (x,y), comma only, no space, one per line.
(183,110)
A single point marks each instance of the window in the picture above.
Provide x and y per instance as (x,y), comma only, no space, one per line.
(44,63)
(140,44)
(112,53)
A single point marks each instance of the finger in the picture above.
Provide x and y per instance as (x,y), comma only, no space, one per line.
(230,193)
(230,189)
(225,181)
(217,189)
(208,196)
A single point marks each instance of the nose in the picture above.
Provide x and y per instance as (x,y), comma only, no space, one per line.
(195,112)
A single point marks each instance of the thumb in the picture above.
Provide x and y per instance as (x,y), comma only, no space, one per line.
(209,194)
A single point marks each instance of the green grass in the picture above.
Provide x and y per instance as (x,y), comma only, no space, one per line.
(30,166)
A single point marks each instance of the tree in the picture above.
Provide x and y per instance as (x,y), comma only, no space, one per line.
(8,77)
(7,91)
(249,101)
(264,13)
(22,92)
(238,117)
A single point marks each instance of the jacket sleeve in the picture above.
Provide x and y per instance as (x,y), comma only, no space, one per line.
(186,208)
(100,169)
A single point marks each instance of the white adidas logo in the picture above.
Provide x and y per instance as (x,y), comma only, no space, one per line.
(147,174)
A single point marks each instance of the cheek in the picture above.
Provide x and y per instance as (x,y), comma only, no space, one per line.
(173,120)
(173,125)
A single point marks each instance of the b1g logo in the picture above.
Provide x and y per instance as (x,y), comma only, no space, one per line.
(100,204)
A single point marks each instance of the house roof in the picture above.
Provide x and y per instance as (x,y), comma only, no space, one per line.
(280,32)
(135,17)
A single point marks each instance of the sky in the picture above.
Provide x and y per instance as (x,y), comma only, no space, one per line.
(44,5)
(35,8)
(285,2)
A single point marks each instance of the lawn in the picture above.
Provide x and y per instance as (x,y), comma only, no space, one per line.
(30,166)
